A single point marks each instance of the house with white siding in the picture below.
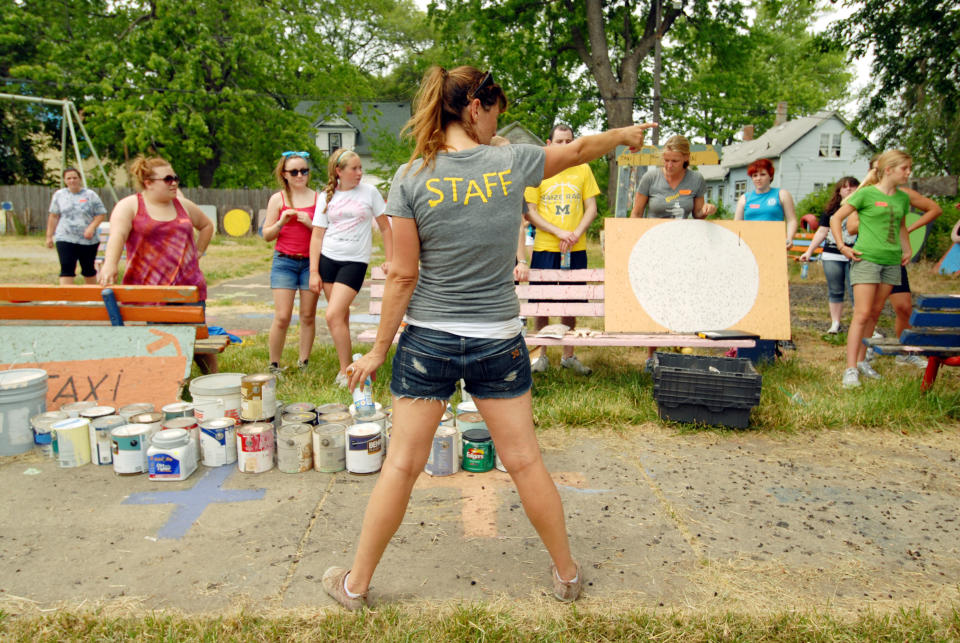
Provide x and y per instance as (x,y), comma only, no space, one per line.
(807,154)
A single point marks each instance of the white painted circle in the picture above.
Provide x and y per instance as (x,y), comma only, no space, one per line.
(693,275)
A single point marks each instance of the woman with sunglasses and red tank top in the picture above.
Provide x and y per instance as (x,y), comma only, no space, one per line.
(157,226)
(289,221)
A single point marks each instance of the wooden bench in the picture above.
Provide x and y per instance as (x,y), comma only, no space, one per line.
(801,241)
(555,306)
(935,334)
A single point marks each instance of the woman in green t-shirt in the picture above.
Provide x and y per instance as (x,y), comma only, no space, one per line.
(882,246)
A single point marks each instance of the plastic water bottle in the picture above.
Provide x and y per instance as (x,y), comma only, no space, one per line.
(363,396)
(565,260)
(804,269)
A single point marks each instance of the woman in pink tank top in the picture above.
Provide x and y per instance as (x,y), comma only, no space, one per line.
(290,221)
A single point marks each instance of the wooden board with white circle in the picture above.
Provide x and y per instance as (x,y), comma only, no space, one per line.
(684,276)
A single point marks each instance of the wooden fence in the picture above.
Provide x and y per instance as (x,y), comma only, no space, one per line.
(31,203)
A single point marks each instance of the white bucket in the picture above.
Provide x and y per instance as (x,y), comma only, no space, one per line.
(23,394)
(216,395)
(364,448)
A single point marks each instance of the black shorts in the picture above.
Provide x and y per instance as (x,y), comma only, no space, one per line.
(547,260)
(71,253)
(904,282)
(349,273)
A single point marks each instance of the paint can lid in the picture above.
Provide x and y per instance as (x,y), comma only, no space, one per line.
(188,422)
(147,418)
(21,378)
(476,435)
(216,384)
(42,422)
(170,438)
(365,428)
(136,408)
(97,412)
(332,407)
(176,407)
(108,422)
(466,407)
(72,423)
(128,430)
(219,424)
(330,429)
(335,418)
(299,407)
(303,417)
(293,430)
(254,428)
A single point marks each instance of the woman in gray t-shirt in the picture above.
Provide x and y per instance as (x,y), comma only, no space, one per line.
(75,213)
(456,209)
(673,191)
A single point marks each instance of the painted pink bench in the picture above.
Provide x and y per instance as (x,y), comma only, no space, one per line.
(554,305)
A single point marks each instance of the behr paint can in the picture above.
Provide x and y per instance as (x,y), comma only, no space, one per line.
(101,444)
(340,417)
(42,435)
(177,410)
(218,442)
(72,442)
(332,407)
(329,450)
(255,447)
(299,407)
(130,444)
(128,411)
(258,396)
(299,417)
(294,448)
(73,408)
(172,455)
(189,424)
(478,455)
(444,457)
(364,448)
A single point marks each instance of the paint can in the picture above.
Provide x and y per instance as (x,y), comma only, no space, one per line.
(379,418)
(101,443)
(497,463)
(172,455)
(300,417)
(23,394)
(73,409)
(329,448)
(187,423)
(478,455)
(364,448)
(128,411)
(444,457)
(177,410)
(353,409)
(467,421)
(130,443)
(294,448)
(258,396)
(332,407)
(91,414)
(255,447)
(42,436)
(72,442)
(340,417)
(153,420)
(218,442)
(448,419)
(468,406)
(216,395)
(299,407)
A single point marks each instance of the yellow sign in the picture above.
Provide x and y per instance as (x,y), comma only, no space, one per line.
(651,155)
(236,222)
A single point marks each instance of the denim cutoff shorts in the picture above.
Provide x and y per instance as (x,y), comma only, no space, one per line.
(289,273)
(429,362)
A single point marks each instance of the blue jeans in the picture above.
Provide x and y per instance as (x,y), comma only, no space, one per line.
(429,362)
(838,280)
(289,273)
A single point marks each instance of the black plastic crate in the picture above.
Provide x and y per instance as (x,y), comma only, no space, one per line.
(710,390)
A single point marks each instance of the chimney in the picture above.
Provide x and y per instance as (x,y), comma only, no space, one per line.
(747,133)
(781,114)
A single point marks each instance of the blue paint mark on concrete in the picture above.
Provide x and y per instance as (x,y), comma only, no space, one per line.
(190,503)
(579,490)
(362,318)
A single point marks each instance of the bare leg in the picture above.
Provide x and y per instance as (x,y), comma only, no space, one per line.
(90,281)
(414,424)
(308,322)
(882,293)
(572,323)
(836,311)
(282,312)
(67,281)
(539,323)
(865,315)
(510,422)
(339,297)
(902,303)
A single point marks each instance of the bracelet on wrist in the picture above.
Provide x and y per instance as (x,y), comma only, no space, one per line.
(523,261)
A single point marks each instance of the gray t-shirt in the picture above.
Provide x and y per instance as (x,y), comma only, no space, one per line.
(467,210)
(664,202)
(76,212)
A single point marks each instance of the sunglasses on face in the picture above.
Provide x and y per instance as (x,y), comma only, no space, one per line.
(302,172)
(303,155)
(486,81)
(169,179)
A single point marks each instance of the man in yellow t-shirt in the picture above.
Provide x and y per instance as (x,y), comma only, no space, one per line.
(561,208)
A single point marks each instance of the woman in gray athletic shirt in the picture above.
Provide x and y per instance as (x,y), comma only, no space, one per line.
(456,209)
(672,191)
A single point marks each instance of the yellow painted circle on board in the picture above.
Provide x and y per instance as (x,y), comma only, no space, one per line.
(236,222)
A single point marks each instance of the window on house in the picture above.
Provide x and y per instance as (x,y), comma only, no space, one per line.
(720,193)
(336,141)
(710,194)
(830,146)
(739,189)
(817,187)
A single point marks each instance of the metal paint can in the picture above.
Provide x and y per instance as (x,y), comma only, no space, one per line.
(329,448)
(128,411)
(335,418)
(258,396)
(130,443)
(448,419)
(299,407)
(353,408)
(467,421)
(218,442)
(177,410)
(478,455)
(153,419)
(187,423)
(92,413)
(332,407)
(101,443)
(216,395)
(72,442)
(255,447)
(498,463)
(379,418)
(300,417)
(295,448)
(466,406)
(42,435)
(364,448)
(444,457)
(172,455)
(73,408)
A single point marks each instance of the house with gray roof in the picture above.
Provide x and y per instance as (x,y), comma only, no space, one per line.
(807,154)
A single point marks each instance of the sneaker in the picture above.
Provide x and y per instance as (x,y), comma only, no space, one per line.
(342,380)
(911,360)
(865,368)
(576,365)
(871,354)
(787,345)
(302,366)
(566,590)
(877,335)
(851,378)
(333,584)
(275,369)
(834,328)
(540,365)
(648,365)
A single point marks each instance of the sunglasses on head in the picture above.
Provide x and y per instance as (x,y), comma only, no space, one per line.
(169,179)
(303,155)
(486,81)
(305,171)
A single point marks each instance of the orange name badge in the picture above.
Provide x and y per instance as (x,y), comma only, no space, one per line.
(684,192)
(880,204)
(754,206)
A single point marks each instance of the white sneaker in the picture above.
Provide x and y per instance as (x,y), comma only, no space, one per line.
(911,360)
(877,335)
(851,378)
(834,328)
(540,365)
(865,368)
(871,354)
(341,380)
(576,365)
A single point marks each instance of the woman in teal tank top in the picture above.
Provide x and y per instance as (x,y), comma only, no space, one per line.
(765,203)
